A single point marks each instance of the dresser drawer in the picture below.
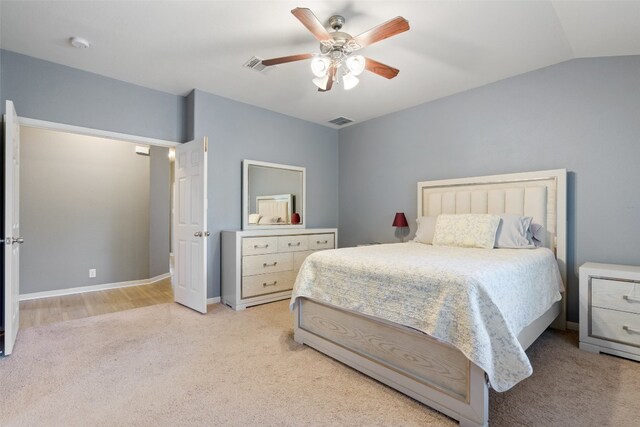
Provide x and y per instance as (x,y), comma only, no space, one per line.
(321,241)
(270,263)
(615,326)
(615,294)
(259,245)
(292,243)
(299,257)
(263,284)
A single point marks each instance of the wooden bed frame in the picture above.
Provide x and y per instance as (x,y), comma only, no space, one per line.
(414,363)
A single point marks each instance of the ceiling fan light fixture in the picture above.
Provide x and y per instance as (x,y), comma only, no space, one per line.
(320,66)
(335,64)
(350,81)
(356,64)
(321,82)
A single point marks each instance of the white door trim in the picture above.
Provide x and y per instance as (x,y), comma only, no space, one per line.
(12,238)
(43,124)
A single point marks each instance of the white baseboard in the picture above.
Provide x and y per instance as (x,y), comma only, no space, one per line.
(92,288)
(213,300)
(573,326)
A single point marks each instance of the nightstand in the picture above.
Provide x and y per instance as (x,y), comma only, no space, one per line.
(610,309)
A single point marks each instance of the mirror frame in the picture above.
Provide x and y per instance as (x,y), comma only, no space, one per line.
(245,196)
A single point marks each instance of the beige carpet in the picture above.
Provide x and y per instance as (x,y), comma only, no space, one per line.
(167,365)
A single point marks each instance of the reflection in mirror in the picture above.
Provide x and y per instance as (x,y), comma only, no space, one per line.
(273,195)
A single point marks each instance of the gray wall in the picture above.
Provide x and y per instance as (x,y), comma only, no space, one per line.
(48,91)
(239,131)
(159,210)
(583,115)
(84,204)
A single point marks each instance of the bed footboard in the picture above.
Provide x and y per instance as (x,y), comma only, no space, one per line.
(413,363)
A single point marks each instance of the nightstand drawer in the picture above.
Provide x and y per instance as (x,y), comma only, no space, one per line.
(321,241)
(615,294)
(267,283)
(292,243)
(263,264)
(259,245)
(615,326)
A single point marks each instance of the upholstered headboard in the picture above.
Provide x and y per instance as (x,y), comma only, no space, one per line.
(541,195)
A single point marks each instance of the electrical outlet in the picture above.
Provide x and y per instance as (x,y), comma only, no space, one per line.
(92,273)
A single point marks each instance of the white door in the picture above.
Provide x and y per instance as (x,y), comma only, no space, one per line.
(12,239)
(190,224)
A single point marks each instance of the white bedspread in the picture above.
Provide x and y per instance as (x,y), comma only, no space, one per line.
(477,300)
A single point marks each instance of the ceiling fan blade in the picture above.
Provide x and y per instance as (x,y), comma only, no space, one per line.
(390,28)
(331,74)
(285,59)
(380,69)
(312,23)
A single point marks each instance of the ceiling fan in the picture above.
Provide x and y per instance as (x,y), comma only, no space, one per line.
(336,50)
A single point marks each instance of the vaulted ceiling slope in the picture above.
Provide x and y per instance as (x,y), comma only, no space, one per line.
(452,46)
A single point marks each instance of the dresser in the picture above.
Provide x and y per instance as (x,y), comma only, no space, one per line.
(610,309)
(260,266)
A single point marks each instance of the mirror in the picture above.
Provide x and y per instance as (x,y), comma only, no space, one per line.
(272,195)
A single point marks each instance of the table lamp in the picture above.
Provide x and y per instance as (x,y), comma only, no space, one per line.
(400,221)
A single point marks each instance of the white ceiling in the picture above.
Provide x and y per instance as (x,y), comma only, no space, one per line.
(452,46)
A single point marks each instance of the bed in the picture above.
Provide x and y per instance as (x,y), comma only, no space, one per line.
(436,369)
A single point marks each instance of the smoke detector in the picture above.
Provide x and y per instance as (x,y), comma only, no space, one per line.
(79,42)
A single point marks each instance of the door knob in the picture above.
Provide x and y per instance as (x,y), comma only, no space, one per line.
(207,234)
(197,234)
(19,240)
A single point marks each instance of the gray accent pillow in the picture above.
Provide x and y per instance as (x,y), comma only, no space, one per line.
(512,232)
(536,234)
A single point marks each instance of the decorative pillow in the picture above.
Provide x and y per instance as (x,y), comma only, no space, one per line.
(512,232)
(466,230)
(536,234)
(254,218)
(269,220)
(426,228)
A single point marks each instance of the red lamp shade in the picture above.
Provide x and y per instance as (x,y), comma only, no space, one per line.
(400,220)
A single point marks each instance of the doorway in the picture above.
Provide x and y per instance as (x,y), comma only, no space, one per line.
(96,221)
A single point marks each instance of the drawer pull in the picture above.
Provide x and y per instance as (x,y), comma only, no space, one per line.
(291,244)
(324,242)
(265,284)
(265,246)
(273,264)
(631,330)
(630,298)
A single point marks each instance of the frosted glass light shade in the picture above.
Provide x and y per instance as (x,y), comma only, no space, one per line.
(356,64)
(321,82)
(320,66)
(350,81)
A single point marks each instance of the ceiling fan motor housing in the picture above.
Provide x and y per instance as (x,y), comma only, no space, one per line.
(336,22)
(338,44)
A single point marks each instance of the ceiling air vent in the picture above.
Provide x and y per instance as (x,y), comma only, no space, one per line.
(340,121)
(254,63)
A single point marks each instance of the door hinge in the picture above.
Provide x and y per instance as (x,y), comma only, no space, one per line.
(206,144)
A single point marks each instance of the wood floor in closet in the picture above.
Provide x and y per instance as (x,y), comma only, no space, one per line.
(44,311)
